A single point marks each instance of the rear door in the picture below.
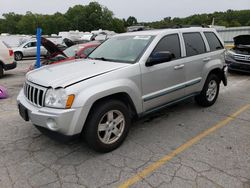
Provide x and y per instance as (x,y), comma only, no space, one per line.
(163,83)
(195,60)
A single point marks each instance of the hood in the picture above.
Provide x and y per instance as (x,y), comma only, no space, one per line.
(62,75)
(68,42)
(242,40)
(51,47)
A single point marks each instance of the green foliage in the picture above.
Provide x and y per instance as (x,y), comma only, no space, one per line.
(94,16)
(80,17)
(230,18)
(131,21)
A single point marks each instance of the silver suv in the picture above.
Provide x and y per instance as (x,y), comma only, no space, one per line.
(28,49)
(131,74)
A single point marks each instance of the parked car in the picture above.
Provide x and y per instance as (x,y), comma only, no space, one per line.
(238,58)
(73,52)
(129,75)
(28,49)
(6,58)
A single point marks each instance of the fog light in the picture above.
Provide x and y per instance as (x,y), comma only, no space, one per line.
(52,125)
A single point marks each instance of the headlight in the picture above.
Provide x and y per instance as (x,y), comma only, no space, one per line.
(58,98)
(229,54)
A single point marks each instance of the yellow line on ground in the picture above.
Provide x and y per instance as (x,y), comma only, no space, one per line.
(139,176)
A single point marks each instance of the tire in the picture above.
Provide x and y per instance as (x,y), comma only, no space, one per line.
(18,56)
(102,132)
(47,55)
(210,91)
(230,70)
(1,70)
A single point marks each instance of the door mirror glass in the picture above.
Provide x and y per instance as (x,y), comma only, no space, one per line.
(159,57)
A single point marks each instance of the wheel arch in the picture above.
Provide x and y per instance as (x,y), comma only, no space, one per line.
(220,73)
(121,96)
(18,52)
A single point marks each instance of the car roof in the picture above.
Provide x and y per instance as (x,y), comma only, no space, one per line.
(155,32)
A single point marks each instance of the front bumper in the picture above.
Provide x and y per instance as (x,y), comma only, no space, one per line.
(63,121)
(9,66)
(224,75)
(238,65)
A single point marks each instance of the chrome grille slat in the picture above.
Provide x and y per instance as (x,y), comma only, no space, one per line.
(37,97)
(29,94)
(242,58)
(34,93)
(43,98)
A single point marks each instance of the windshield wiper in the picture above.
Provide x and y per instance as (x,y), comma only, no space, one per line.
(104,59)
(101,58)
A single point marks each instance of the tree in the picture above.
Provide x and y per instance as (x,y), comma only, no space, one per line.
(28,23)
(10,21)
(95,16)
(117,25)
(131,21)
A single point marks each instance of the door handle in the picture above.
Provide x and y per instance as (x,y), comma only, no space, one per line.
(178,67)
(207,59)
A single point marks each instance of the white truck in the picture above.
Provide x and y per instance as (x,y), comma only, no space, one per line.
(6,58)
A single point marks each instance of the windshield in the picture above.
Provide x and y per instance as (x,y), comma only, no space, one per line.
(70,52)
(127,49)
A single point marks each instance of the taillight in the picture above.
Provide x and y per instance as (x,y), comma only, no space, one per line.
(11,52)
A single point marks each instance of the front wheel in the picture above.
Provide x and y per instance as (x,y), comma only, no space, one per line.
(1,70)
(107,125)
(210,91)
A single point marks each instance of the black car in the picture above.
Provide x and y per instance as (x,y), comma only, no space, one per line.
(238,58)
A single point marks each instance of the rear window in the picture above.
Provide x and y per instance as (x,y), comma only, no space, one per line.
(213,41)
(194,44)
(6,44)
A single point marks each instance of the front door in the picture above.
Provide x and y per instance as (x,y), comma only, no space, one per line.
(30,49)
(165,82)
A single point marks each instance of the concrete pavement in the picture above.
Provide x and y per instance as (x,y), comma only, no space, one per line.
(220,159)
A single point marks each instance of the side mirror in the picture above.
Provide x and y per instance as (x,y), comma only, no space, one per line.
(159,57)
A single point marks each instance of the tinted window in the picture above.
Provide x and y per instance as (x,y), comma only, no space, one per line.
(31,44)
(194,44)
(213,41)
(170,43)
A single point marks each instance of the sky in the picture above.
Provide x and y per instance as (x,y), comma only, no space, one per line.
(143,10)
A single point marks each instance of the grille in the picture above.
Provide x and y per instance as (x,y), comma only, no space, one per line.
(35,94)
(242,58)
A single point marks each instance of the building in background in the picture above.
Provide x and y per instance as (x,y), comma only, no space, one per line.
(228,33)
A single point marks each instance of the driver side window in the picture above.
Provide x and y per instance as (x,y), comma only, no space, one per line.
(170,43)
(27,45)
(30,44)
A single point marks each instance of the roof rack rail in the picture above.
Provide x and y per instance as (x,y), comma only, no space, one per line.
(187,26)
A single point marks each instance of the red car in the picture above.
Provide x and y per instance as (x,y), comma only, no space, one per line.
(73,52)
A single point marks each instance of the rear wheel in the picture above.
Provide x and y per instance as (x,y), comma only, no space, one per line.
(18,56)
(210,91)
(1,70)
(107,125)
